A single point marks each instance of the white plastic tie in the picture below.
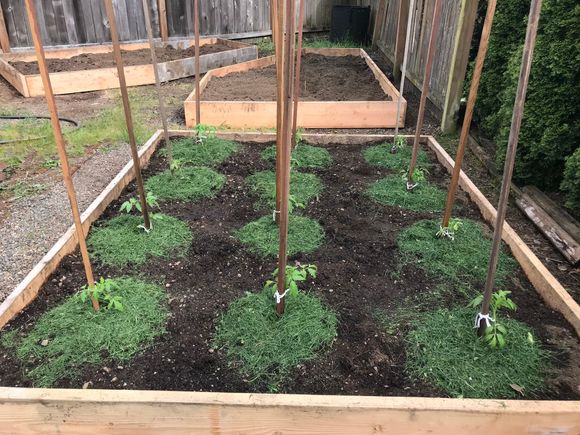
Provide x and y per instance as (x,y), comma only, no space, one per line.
(274,213)
(411,186)
(485,317)
(446,233)
(279,296)
(145,229)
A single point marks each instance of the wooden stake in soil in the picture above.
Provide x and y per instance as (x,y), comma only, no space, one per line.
(285,166)
(298,66)
(403,70)
(197,67)
(483,44)
(60,145)
(426,79)
(162,111)
(278,13)
(483,320)
(128,115)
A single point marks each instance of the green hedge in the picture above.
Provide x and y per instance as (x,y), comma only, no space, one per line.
(550,130)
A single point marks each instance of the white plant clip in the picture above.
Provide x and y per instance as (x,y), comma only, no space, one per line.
(279,296)
(274,213)
(145,229)
(411,186)
(483,317)
(445,232)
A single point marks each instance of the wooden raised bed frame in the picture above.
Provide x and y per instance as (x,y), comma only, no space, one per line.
(70,82)
(29,410)
(311,114)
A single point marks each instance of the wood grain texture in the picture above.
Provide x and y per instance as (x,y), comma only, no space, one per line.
(4,38)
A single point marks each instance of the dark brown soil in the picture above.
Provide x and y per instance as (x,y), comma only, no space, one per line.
(358,265)
(323,78)
(105,60)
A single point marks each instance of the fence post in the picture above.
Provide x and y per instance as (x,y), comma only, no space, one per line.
(162,19)
(401,37)
(379,19)
(4,39)
(459,62)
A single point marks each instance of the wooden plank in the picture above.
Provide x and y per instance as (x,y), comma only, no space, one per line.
(459,62)
(379,20)
(14,77)
(163,19)
(78,412)
(4,38)
(402,18)
(31,285)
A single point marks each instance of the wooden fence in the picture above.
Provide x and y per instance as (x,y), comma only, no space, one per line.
(72,22)
(452,52)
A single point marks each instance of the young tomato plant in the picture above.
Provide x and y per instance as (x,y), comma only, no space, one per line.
(175,165)
(203,131)
(134,203)
(419,175)
(453,228)
(399,143)
(103,291)
(294,275)
(495,333)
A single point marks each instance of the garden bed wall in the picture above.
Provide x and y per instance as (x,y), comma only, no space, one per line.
(69,82)
(311,114)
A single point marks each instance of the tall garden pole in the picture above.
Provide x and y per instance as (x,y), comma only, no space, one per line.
(426,79)
(197,67)
(278,30)
(483,44)
(127,110)
(162,111)
(60,145)
(404,69)
(286,139)
(483,320)
(298,66)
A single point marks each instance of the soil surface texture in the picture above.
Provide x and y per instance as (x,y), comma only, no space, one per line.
(323,78)
(105,60)
(359,273)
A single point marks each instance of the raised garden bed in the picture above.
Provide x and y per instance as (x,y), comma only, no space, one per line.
(362,275)
(92,68)
(340,88)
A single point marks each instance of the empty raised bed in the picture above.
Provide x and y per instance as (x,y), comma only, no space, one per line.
(92,68)
(340,88)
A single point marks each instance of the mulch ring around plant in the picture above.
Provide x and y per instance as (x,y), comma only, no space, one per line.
(360,273)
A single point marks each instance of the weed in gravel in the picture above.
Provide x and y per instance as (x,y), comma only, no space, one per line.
(212,152)
(70,336)
(303,187)
(266,348)
(262,236)
(381,155)
(120,241)
(444,350)
(392,191)
(303,156)
(187,183)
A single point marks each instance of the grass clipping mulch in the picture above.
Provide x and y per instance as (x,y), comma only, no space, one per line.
(188,183)
(444,350)
(211,152)
(303,156)
(381,155)
(265,348)
(262,236)
(120,241)
(77,335)
(392,191)
(303,187)
(462,261)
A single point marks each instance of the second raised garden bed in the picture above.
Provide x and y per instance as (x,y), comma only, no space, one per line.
(83,69)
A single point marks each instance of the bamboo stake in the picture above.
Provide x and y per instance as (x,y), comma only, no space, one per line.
(162,111)
(483,44)
(529,44)
(286,138)
(404,70)
(197,67)
(127,110)
(60,145)
(298,66)
(426,79)
(279,48)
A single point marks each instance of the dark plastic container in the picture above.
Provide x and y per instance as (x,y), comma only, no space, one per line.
(350,22)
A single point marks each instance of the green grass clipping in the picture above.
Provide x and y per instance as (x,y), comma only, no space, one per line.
(381,155)
(211,152)
(186,184)
(262,236)
(264,347)
(78,336)
(303,187)
(392,191)
(303,156)
(120,241)
(444,350)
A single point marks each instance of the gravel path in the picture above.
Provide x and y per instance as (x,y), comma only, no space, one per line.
(34,224)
